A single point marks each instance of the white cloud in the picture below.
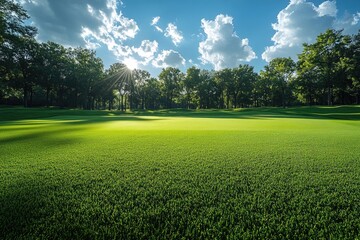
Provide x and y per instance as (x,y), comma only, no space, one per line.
(89,23)
(159,29)
(192,63)
(146,50)
(114,29)
(155,21)
(121,51)
(356,18)
(90,9)
(350,23)
(90,41)
(222,47)
(100,24)
(327,8)
(175,35)
(301,22)
(168,58)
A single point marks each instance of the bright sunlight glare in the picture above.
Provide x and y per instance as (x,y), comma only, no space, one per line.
(131,63)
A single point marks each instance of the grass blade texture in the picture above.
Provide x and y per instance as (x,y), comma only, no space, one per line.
(242,174)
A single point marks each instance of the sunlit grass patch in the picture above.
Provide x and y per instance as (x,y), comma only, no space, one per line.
(256,173)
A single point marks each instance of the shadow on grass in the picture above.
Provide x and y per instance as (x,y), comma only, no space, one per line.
(339,113)
(21,206)
(48,129)
(33,123)
(29,209)
(10,115)
(47,137)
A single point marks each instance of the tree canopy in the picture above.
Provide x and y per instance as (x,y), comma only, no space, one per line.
(327,72)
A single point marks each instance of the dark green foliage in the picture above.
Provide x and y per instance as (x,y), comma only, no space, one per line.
(279,73)
(323,70)
(170,79)
(48,74)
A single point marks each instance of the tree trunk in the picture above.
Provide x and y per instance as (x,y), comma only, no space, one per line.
(227,101)
(329,96)
(143,102)
(125,104)
(170,101)
(47,96)
(283,95)
(25,95)
(120,102)
(235,100)
(188,100)
(130,101)
(31,97)
(76,97)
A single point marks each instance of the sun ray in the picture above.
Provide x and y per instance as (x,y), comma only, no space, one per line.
(131,63)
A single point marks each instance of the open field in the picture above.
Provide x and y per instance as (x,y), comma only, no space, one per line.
(244,174)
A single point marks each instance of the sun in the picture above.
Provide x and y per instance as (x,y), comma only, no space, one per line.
(131,63)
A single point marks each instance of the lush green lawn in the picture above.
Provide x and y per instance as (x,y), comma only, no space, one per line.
(259,174)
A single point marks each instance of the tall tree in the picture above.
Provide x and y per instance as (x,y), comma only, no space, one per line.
(326,54)
(119,77)
(15,35)
(280,71)
(224,79)
(355,66)
(55,59)
(306,83)
(244,78)
(190,82)
(12,23)
(23,59)
(152,92)
(170,78)
(208,90)
(89,72)
(140,79)
(263,90)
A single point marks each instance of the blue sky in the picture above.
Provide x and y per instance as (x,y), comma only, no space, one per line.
(210,34)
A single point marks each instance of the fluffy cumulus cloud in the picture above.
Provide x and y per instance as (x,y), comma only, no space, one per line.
(113,30)
(146,50)
(223,47)
(74,23)
(301,22)
(91,23)
(168,58)
(172,32)
(327,8)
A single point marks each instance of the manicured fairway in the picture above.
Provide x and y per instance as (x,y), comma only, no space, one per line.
(247,174)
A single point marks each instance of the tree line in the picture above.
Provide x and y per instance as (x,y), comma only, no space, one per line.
(49,74)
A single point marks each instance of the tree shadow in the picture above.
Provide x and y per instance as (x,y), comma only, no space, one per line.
(48,135)
(75,117)
(49,128)
(21,206)
(321,113)
(30,207)
(12,114)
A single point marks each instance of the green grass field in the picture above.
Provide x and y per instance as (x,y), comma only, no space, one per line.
(244,174)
